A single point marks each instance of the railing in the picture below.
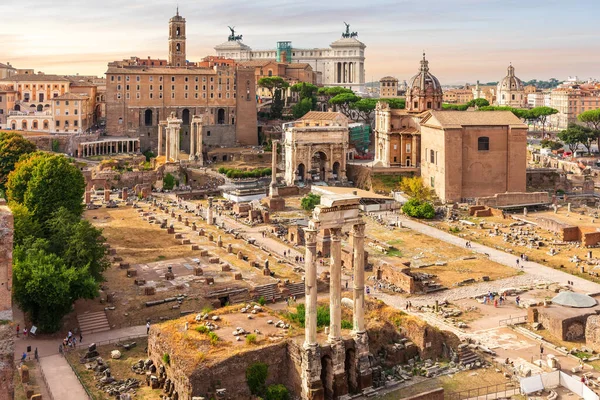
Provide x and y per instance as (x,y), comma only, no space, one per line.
(29,114)
(502,390)
(90,397)
(513,321)
(44,379)
(109,341)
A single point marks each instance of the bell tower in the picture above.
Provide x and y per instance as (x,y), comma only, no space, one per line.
(177,41)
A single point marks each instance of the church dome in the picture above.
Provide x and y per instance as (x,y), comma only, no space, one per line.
(510,82)
(424,79)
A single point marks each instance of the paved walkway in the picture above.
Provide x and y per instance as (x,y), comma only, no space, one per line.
(534,269)
(60,378)
(62,381)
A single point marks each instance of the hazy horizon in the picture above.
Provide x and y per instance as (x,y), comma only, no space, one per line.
(465,40)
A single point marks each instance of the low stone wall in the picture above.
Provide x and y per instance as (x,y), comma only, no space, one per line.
(289,191)
(590,238)
(7,363)
(397,275)
(570,328)
(592,333)
(514,199)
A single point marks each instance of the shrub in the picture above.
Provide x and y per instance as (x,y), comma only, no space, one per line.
(418,209)
(214,338)
(323,316)
(256,376)
(277,392)
(166,358)
(262,301)
(251,339)
(202,329)
(149,154)
(310,201)
(168,182)
(347,324)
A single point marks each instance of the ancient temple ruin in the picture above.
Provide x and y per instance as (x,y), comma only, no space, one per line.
(344,370)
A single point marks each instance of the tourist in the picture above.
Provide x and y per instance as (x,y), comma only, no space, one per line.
(517,263)
(23,357)
(518,300)
(541,349)
(80,336)
(69,335)
(496,303)
(18,327)
(147,327)
(35,354)
(25,332)
(346,284)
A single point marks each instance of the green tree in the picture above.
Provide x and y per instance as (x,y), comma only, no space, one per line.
(310,201)
(591,119)
(344,102)
(168,182)
(272,83)
(573,136)
(365,109)
(541,114)
(302,107)
(78,242)
(277,392)
(480,102)
(277,105)
(395,104)
(256,378)
(550,144)
(46,288)
(330,92)
(26,227)
(44,183)
(12,147)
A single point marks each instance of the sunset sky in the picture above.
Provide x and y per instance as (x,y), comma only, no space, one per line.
(465,40)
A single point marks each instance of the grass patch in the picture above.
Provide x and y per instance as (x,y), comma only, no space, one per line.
(323,317)
(394,252)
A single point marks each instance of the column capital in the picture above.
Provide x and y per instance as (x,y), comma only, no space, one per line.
(336,234)
(358,230)
(310,236)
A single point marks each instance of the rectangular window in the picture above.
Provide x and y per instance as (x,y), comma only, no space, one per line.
(172,95)
(432,156)
(432,181)
(137,78)
(127,78)
(126,87)
(160,95)
(137,96)
(57,123)
(196,79)
(118,95)
(137,87)
(127,96)
(151,78)
(75,123)
(75,112)
(408,147)
(395,147)
(172,79)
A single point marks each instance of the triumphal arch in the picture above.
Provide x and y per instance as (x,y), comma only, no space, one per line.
(338,367)
(315,148)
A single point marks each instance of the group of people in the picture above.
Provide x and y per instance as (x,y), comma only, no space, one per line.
(70,341)
(25,331)
(491,298)
(468,244)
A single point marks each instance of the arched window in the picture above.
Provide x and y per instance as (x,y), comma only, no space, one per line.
(148,117)
(185,117)
(483,143)
(178,32)
(221,116)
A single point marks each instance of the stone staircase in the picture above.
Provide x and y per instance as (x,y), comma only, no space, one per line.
(267,291)
(93,322)
(466,356)
(296,289)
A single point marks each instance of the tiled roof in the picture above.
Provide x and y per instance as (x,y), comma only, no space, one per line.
(256,63)
(321,115)
(70,96)
(388,78)
(464,118)
(34,78)
(297,65)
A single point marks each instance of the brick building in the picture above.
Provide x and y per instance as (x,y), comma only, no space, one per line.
(139,96)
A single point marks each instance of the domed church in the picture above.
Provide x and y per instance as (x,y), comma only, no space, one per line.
(425,91)
(510,91)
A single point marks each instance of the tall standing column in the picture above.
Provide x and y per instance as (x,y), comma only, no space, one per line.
(192,139)
(310,283)
(209,211)
(167,144)
(273,192)
(358,236)
(335,288)
(413,148)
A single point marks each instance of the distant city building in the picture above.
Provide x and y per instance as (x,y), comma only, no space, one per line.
(459,96)
(487,92)
(538,99)
(7,102)
(7,70)
(341,64)
(571,100)
(140,94)
(388,87)
(510,91)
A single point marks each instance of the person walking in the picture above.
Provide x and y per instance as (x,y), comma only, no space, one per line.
(147,327)
(80,336)
(18,328)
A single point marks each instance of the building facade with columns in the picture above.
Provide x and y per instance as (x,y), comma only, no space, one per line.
(139,96)
(340,64)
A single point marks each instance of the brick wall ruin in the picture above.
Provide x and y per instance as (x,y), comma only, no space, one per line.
(6,245)
(512,199)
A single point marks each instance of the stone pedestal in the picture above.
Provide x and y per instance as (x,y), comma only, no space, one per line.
(106,195)
(338,358)
(124,194)
(312,387)
(363,364)
(88,197)
(276,203)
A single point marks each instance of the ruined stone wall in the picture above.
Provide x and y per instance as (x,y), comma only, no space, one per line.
(348,258)
(289,191)
(515,198)
(569,329)
(7,364)
(567,233)
(230,373)
(6,247)
(398,275)
(547,179)
(592,333)
(432,342)
(591,238)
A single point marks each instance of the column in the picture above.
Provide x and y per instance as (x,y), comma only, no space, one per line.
(310,283)
(335,288)
(167,144)
(160,139)
(358,238)
(402,163)
(273,192)
(413,148)
(192,139)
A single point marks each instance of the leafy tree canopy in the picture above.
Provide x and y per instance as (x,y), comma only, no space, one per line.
(12,147)
(418,209)
(310,201)
(395,103)
(415,188)
(575,135)
(273,82)
(302,107)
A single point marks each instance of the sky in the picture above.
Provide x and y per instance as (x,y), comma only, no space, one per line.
(465,40)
